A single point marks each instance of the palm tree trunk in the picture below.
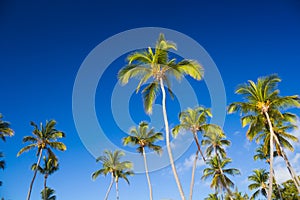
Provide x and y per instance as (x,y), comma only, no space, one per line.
(147,174)
(198,145)
(289,166)
(34,175)
(225,185)
(45,186)
(277,185)
(117,188)
(109,187)
(193,176)
(271,156)
(168,139)
(222,174)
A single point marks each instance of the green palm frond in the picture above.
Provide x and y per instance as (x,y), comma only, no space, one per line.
(149,96)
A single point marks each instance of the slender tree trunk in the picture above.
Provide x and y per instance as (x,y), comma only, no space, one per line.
(225,185)
(168,140)
(147,175)
(193,176)
(289,166)
(45,186)
(223,176)
(117,188)
(198,145)
(109,187)
(271,156)
(34,175)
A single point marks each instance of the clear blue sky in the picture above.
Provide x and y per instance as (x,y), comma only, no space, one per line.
(43,44)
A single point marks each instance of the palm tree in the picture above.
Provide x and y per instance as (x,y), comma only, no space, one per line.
(44,138)
(50,166)
(262,105)
(212,197)
(262,155)
(259,179)
(5,129)
(216,169)
(143,137)
(48,194)
(194,120)
(156,67)
(111,164)
(215,142)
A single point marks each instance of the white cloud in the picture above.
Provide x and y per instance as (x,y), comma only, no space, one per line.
(189,162)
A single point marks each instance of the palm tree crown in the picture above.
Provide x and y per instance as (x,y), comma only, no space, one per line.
(215,168)
(215,142)
(111,163)
(44,137)
(5,129)
(259,179)
(143,137)
(155,66)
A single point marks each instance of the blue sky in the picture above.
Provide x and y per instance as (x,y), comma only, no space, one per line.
(44,43)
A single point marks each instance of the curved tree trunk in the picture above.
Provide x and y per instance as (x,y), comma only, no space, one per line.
(193,176)
(198,145)
(271,156)
(147,174)
(168,140)
(117,188)
(34,175)
(109,187)
(289,166)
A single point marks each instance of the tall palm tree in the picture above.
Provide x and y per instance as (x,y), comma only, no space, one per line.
(5,129)
(282,141)
(194,120)
(154,66)
(259,181)
(262,104)
(50,166)
(112,164)
(143,137)
(215,142)
(48,194)
(44,138)
(216,169)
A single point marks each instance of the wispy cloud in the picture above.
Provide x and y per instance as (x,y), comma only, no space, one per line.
(247,144)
